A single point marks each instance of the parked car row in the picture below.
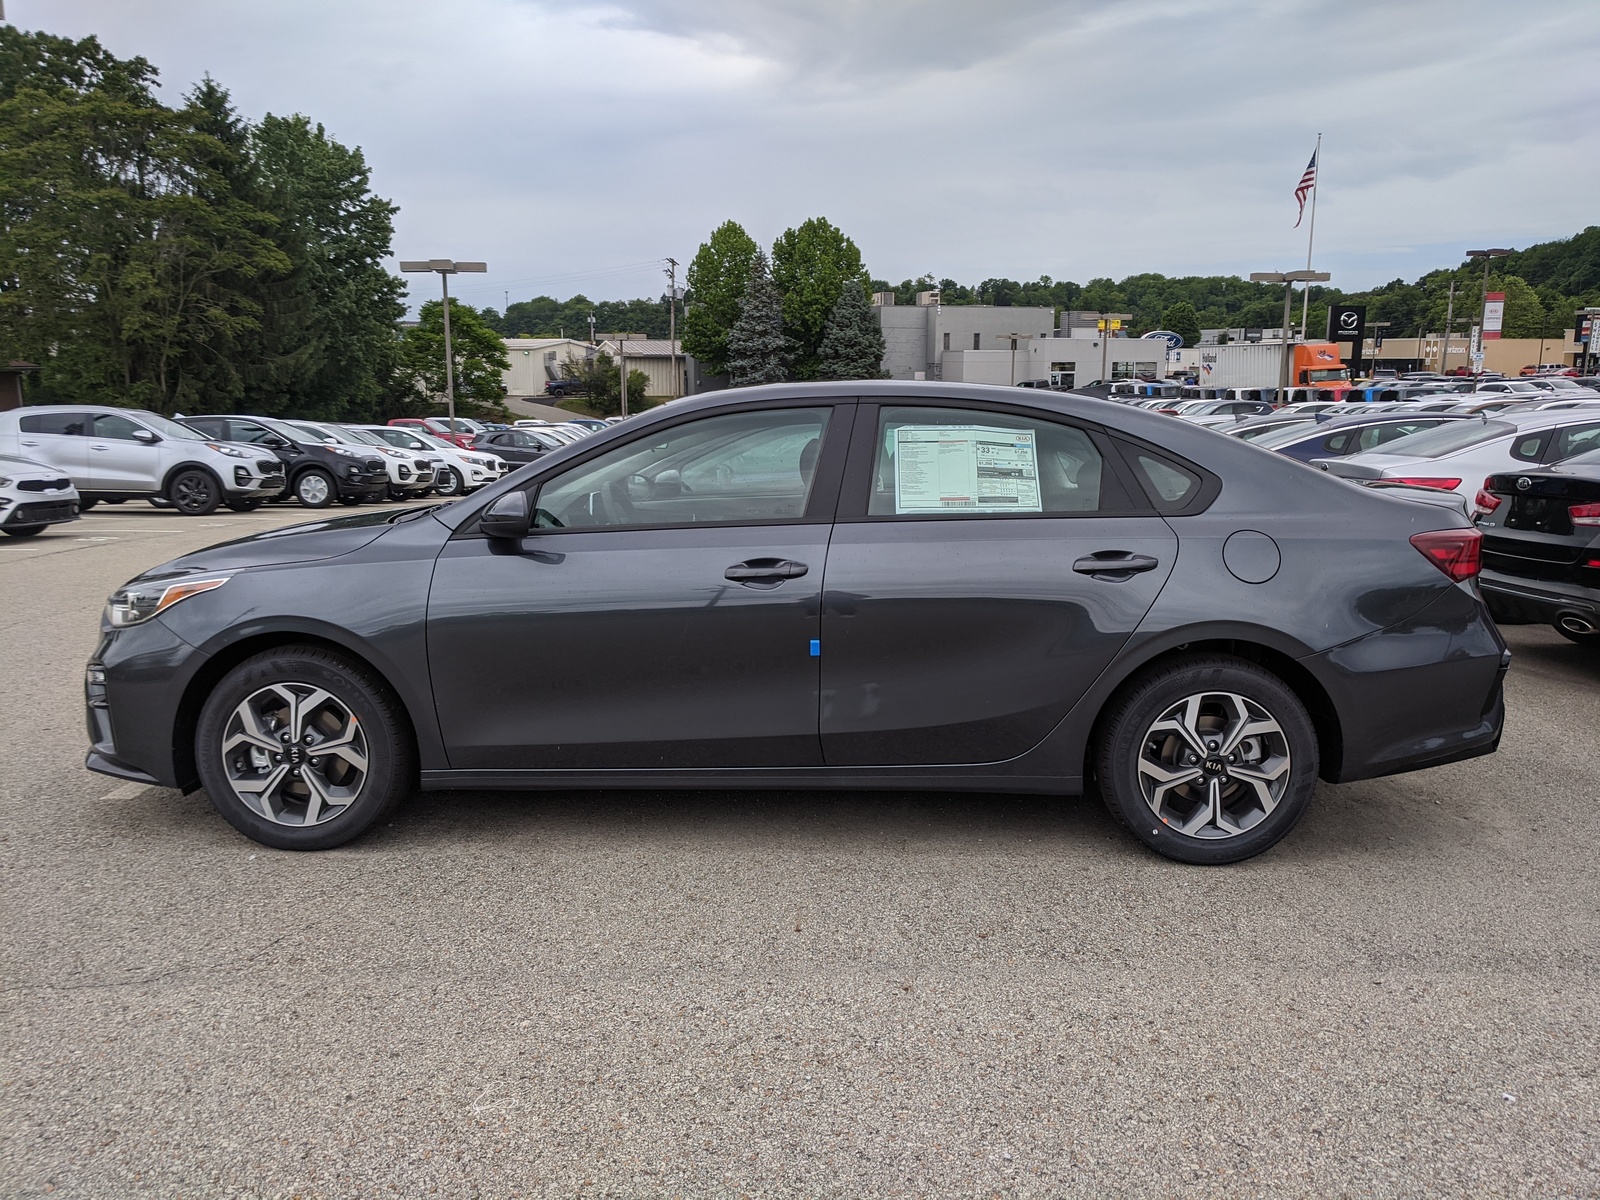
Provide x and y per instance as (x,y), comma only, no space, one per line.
(196,464)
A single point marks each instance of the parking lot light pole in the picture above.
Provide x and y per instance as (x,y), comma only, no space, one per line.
(445,268)
(1288,279)
(1483,323)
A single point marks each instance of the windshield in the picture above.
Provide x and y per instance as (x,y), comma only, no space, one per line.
(172,429)
(1447,439)
(318,433)
(1256,434)
(461,425)
(1329,376)
(430,442)
(1282,435)
(398,435)
(364,435)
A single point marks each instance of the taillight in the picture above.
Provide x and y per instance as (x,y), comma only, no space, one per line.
(1456,552)
(1428,481)
(1485,502)
(1585,514)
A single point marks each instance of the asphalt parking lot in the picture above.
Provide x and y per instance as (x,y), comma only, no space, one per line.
(706,994)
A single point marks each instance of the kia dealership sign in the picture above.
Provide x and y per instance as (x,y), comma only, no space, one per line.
(1494,314)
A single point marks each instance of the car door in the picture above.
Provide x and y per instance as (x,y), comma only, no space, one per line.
(118,460)
(986,566)
(663,612)
(57,438)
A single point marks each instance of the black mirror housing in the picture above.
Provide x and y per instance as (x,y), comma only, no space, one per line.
(507,517)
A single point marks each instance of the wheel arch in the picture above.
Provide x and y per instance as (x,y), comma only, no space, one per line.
(1281,662)
(225,659)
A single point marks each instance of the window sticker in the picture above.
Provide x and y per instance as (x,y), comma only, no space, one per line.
(965,468)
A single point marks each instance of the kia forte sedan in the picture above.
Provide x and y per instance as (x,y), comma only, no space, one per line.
(849,586)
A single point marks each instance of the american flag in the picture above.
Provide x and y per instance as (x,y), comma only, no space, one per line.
(1303,189)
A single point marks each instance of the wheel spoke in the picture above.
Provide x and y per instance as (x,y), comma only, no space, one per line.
(349,746)
(319,796)
(260,785)
(250,731)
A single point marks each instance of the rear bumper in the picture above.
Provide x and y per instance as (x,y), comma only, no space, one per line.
(1423,693)
(1519,601)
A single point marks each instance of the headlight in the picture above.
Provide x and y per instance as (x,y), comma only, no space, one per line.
(230,451)
(390,453)
(138,602)
(347,453)
(5,481)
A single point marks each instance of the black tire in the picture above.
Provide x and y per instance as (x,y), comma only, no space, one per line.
(450,483)
(350,501)
(391,748)
(118,500)
(159,502)
(85,505)
(194,492)
(244,506)
(315,488)
(22,530)
(1127,737)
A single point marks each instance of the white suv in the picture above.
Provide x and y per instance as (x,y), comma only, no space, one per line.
(127,453)
(459,471)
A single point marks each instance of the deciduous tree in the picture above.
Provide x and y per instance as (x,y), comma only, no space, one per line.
(716,281)
(810,266)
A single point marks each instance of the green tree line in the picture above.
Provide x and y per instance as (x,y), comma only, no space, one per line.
(187,259)
(1544,285)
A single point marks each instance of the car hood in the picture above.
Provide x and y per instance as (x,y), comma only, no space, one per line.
(275,547)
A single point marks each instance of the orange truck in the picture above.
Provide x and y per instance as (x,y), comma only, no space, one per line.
(1257,364)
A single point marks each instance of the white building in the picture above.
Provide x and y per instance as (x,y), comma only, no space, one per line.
(919,337)
(654,356)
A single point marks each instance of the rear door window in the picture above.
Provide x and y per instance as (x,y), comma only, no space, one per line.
(71,424)
(956,462)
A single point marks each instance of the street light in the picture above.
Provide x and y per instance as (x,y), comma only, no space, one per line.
(1483,324)
(1288,279)
(446,268)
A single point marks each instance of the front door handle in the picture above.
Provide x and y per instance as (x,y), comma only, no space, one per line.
(765,570)
(1113,565)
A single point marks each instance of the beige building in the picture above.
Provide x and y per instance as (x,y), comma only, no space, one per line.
(1504,356)
(653,356)
(536,361)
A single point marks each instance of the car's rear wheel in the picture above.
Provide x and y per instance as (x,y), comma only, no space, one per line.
(303,749)
(315,489)
(449,482)
(194,493)
(22,530)
(245,506)
(1207,760)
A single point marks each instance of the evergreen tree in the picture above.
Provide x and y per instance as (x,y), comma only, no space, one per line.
(756,345)
(852,343)
(1181,319)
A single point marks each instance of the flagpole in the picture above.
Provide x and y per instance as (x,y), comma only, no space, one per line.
(1311,236)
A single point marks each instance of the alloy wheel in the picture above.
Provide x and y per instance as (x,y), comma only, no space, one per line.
(313,490)
(194,494)
(295,754)
(449,482)
(1214,765)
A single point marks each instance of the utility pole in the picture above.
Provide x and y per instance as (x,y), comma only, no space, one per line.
(1449,324)
(622,366)
(1288,279)
(672,322)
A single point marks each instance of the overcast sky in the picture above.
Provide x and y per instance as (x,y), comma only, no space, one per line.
(575,145)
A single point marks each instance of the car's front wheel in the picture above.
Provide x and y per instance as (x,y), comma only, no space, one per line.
(194,493)
(1207,760)
(303,749)
(315,489)
(449,482)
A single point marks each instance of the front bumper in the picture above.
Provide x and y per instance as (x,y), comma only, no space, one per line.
(245,482)
(1519,601)
(38,512)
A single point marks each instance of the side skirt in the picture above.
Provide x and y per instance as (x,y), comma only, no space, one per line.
(930,779)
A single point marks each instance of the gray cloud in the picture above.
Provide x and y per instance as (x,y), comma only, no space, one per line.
(1016,137)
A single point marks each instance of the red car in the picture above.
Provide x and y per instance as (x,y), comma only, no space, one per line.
(461,434)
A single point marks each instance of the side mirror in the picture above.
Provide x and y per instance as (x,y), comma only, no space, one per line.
(508,517)
(145,436)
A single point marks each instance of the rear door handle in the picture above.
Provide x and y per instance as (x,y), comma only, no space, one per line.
(765,570)
(1114,564)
